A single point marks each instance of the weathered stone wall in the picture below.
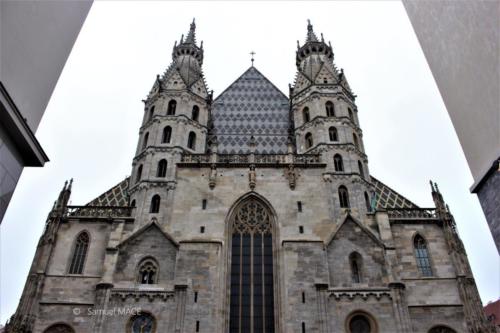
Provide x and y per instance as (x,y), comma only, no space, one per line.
(424,318)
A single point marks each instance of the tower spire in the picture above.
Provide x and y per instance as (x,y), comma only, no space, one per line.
(191,36)
(311,36)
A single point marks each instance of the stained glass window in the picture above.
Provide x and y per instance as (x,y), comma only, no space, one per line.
(252,292)
(79,254)
(422,256)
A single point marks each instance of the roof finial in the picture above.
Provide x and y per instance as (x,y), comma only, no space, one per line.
(191,38)
(252,54)
(311,37)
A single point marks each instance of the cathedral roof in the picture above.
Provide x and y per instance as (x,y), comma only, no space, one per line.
(115,196)
(251,106)
(386,196)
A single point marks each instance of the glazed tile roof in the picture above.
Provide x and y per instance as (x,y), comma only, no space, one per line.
(251,106)
(115,196)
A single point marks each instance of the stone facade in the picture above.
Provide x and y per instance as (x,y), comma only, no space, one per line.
(240,217)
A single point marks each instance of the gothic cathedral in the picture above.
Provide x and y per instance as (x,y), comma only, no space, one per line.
(248,213)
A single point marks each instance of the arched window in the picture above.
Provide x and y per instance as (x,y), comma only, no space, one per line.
(334,136)
(343,197)
(155,204)
(309,140)
(338,163)
(355,140)
(138,175)
(422,256)
(195,113)
(367,203)
(142,323)
(330,110)
(351,115)
(148,271)
(79,253)
(132,204)
(360,168)
(305,114)
(360,324)
(145,141)
(162,168)
(151,112)
(355,261)
(251,269)
(167,134)
(441,329)
(59,328)
(172,105)
(192,140)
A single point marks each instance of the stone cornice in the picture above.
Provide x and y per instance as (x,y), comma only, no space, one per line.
(179,119)
(342,93)
(322,147)
(147,184)
(355,177)
(155,149)
(360,292)
(138,294)
(319,120)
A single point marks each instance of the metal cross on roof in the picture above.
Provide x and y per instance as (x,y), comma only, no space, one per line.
(252,53)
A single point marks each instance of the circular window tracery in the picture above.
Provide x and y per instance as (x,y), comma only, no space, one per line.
(251,218)
(142,323)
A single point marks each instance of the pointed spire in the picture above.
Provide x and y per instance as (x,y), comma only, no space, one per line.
(311,36)
(191,36)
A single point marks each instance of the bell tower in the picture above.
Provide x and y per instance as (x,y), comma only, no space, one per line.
(324,117)
(176,115)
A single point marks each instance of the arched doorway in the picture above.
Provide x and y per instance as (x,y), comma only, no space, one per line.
(441,329)
(59,328)
(251,299)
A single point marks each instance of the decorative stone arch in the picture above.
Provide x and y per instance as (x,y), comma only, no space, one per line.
(373,326)
(442,329)
(233,223)
(130,322)
(143,261)
(60,327)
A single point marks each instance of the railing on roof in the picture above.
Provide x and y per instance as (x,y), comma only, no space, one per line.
(98,211)
(411,213)
(263,159)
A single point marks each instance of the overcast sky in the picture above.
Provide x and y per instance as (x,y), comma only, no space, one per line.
(90,128)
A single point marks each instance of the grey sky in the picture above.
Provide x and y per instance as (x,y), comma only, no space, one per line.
(90,128)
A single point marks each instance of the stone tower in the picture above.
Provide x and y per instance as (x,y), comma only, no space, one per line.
(251,212)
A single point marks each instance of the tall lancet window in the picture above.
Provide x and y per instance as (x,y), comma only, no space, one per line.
(252,295)
(172,105)
(422,256)
(330,111)
(79,253)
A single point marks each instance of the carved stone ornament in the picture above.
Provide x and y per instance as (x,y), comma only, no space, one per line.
(291,174)
(252,177)
(213,177)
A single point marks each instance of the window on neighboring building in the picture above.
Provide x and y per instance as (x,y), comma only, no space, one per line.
(305,114)
(145,141)
(195,113)
(148,270)
(309,140)
(155,204)
(360,324)
(167,134)
(334,136)
(79,253)
(330,110)
(162,168)
(355,263)
(192,140)
(138,175)
(251,291)
(360,168)
(338,163)
(422,256)
(343,197)
(172,105)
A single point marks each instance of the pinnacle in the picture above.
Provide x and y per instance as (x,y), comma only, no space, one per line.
(311,36)
(191,36)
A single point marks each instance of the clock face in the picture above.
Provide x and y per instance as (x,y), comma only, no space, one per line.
(143,323)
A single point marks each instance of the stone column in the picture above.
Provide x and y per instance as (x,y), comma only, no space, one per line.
(322,300)
(400,307)
(180,298)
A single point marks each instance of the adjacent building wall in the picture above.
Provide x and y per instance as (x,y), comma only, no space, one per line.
(36,38)
(460,40)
